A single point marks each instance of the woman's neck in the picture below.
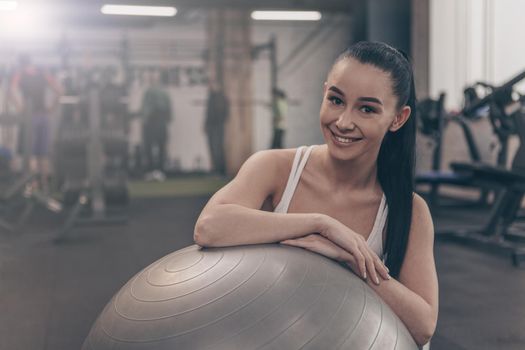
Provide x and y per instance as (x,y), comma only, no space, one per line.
(355,174)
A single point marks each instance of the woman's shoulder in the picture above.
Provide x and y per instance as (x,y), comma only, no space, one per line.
(275,163)
(421,216)
(274,157)
(267,168)
(419,205)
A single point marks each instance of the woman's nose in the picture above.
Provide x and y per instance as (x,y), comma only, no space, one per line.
(345,122)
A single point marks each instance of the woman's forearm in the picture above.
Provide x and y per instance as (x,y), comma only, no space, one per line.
(414,311)
(232,224)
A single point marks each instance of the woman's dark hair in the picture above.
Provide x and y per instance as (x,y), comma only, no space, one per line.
(396,159)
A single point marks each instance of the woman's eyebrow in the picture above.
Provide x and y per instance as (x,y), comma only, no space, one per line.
(335,89)
(364,99)
(370,99)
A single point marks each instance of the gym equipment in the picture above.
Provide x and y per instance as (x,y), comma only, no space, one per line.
(86,152)
(432,120)
(13,203)
(19,196)
(11,188)
(496,235)
(247,297)
(500,103)
(497,103)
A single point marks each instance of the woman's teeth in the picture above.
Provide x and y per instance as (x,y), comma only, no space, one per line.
(345,139)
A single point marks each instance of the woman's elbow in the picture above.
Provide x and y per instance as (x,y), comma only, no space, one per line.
(201,234)
(424,335)
(422,340)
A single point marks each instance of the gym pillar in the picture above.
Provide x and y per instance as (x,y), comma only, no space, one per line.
(229,64)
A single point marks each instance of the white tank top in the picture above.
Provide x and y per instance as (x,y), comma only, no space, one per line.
(375,239)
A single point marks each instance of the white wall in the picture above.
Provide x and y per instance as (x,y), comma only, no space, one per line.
(473,40)
(509,46)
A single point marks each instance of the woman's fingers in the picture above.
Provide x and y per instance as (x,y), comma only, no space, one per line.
(381,268)
(356,245)
(370,265)
(288,242)
(373,266)
(298,242)
(359,250)
(359,259)
(352,263)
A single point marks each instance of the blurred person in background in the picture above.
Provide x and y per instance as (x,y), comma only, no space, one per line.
(280,111)
(217,111)
(157,114)
(28,91)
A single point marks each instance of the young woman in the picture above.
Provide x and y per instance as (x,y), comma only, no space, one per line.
(350,199)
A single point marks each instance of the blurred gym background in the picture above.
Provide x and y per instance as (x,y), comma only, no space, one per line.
(119,119)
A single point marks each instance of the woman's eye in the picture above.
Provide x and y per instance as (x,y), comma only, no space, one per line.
(335,100)
(368,109)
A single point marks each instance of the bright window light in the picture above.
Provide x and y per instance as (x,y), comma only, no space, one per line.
(131,10)
(16,22)
(8,5)
(286,15)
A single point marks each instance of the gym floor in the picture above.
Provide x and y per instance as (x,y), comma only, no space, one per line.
(51,294)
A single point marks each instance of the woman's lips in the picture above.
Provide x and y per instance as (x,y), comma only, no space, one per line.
(345,140)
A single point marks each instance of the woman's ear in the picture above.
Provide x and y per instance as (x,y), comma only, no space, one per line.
(400,119)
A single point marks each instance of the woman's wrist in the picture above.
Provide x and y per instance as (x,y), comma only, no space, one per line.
(321,222)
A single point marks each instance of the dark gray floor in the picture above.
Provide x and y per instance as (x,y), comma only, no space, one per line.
(50,294)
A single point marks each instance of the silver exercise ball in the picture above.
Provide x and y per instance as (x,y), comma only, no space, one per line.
(249,297)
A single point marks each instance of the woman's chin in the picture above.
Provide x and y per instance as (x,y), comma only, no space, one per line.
(340,153)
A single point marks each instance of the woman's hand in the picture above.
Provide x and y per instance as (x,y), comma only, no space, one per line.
(321,245)
(355,244)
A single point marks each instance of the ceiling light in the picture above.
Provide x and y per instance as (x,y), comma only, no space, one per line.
(132,10)
(286,15)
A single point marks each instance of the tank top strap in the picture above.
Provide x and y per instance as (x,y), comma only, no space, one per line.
(293,171)
(375,239)
(293,179)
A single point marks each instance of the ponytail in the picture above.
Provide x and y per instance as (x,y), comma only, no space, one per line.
(396,159)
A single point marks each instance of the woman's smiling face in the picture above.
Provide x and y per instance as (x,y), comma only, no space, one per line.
(358,109)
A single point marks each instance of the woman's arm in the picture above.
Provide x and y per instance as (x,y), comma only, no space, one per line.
(414,298)
(233,224)
(233,215)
